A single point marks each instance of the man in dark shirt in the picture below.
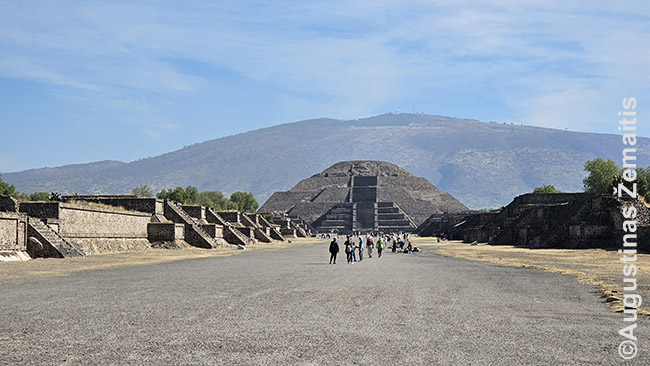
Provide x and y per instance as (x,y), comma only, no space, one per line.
(334,250)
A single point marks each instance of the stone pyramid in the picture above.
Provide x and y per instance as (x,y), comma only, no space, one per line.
(363,196)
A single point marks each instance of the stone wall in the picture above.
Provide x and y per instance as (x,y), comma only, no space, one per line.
(231,216)
(213,230)
(93,222)
(41,210)
(247,231)
(8,204)
(13,231)
(197,212)
(97,230)
(165,231)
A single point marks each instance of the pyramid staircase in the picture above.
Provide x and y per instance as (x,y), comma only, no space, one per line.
(338,219)
(364,216)
(391,218)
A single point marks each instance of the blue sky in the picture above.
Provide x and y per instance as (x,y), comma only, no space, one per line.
(84,81)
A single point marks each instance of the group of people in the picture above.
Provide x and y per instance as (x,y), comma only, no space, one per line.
(354,249)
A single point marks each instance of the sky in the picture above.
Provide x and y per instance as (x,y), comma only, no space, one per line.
(84,81)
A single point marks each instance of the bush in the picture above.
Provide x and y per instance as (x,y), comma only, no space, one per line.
(546,189)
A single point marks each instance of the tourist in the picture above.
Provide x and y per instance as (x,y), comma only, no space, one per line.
(380,246)
(348,250)
(354,250)
(410,247)
(371,245)
(334,250)
(360,249)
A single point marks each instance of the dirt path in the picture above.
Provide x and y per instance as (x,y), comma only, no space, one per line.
(289,307)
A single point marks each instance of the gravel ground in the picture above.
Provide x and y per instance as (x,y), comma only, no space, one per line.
(289,307)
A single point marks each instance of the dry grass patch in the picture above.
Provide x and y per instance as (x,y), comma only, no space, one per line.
(96,205)
(595,267)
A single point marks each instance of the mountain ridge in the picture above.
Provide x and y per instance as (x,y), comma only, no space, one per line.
(483,164)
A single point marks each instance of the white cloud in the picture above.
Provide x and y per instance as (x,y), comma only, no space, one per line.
(541,58)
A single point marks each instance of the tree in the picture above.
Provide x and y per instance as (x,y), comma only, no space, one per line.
(245,201)
(602,176)
(164,194)
(142,191)
(241,201)
(6,189)
(192,195)
(269,217)
(216,200)
(188,196)
(39,196)
(546,189)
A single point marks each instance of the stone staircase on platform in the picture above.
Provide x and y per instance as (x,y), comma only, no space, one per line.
(300,231)
(230,233)
(309,230)
(274,232)
(194,234)
(45,242)
(283,224)
(261,233)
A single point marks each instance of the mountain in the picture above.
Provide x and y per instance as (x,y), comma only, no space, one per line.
(482,164)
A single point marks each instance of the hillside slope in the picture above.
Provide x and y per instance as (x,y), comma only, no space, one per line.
(481,164)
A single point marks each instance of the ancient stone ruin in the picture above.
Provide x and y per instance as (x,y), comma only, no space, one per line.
(87,224)
(553,220)
(362,196)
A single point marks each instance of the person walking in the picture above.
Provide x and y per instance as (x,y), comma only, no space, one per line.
(361,247)
(348,250)
(370,245)
(334,251)
(354,250)
(380,246)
